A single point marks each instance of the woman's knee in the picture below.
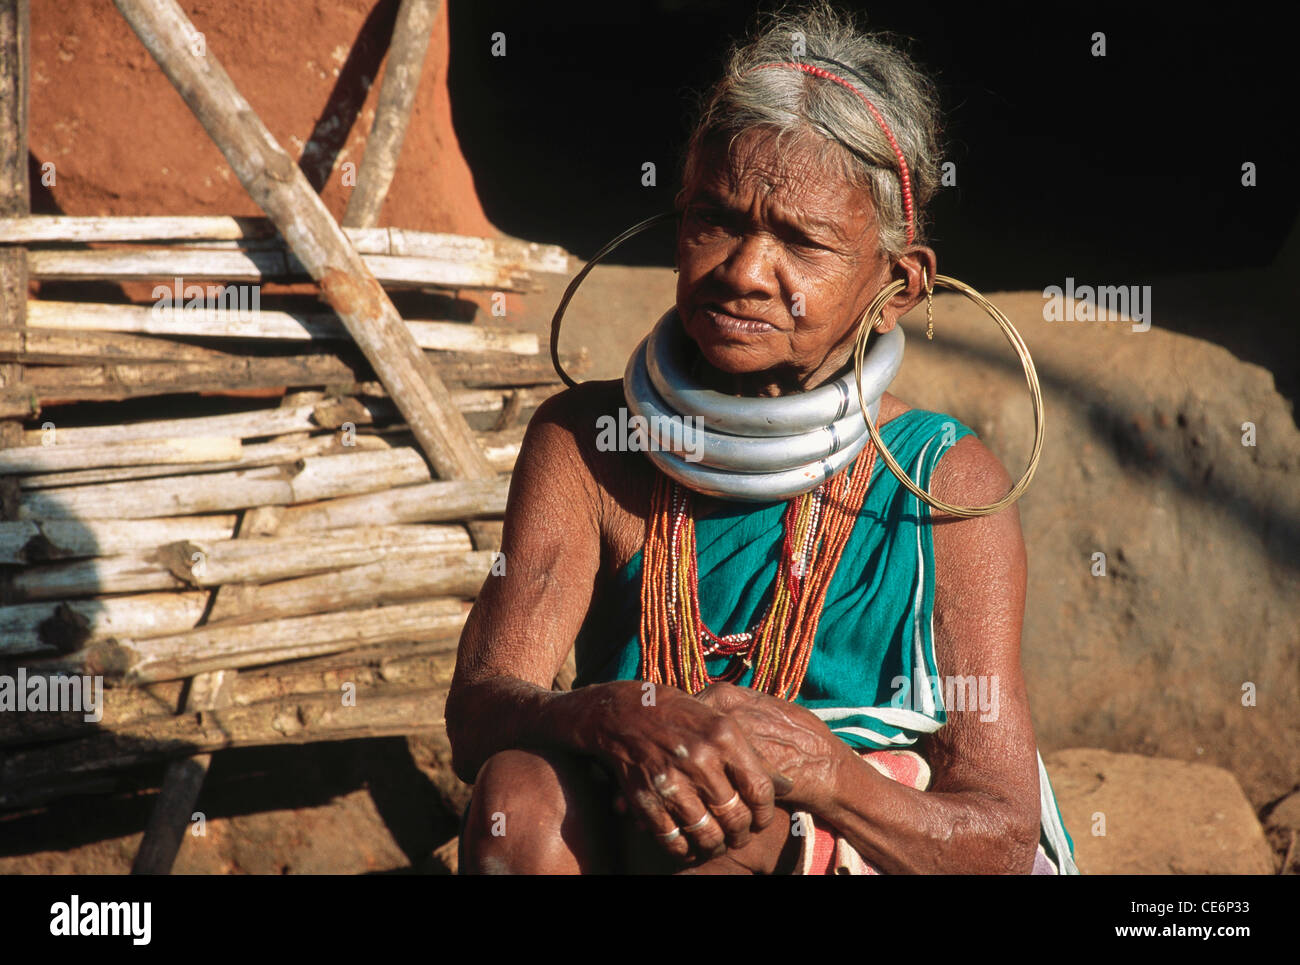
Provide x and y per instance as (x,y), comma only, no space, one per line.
(530,813)
(518,782)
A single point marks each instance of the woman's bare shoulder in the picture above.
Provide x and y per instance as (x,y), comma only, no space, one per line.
(566,428)
(891,407)
(576,409)
(565,451)
(969,474)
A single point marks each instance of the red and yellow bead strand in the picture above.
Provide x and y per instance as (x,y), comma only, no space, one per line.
(675,642)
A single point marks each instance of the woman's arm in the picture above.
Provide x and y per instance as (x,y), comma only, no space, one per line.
(524,620)
(671,754)
(981,813)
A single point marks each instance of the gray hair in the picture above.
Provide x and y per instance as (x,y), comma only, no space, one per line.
(791,102)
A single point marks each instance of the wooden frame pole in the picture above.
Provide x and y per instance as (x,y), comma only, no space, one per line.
(281,190)
(406,53)
(15,194)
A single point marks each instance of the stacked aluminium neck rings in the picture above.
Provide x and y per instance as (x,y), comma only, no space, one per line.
(750,449)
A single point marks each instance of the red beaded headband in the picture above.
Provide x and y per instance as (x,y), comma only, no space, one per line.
(903,174)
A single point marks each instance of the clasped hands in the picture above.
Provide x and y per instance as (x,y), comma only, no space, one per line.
(704,773)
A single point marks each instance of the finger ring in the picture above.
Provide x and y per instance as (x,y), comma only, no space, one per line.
(727,804)
(667,836)
(691,828)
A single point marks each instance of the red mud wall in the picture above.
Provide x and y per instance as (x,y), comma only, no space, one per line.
(123,142)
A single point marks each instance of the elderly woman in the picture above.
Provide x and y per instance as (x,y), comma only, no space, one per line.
(760,640)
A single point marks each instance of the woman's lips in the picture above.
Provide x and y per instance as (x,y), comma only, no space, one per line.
(733,325)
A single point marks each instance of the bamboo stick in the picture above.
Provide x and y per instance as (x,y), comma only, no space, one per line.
(267,558)
(261,324)
(23,542)
(428,663)
(392,580)
(218,648)
(257,267)
(171,495)
(281,557)
(46,386)
(429,502)
(39,459)
(242,244)
(284,450)
(316,477)
(406,52)
(128,380)
(500,448)
(279,187)
(211,691)
(494,400)
(495,526)
(67,624)
(105,228)
(171,814)
(107,264)
(35,345)
(518,257)
(125,573)
(329,414)
(184,779)
(346,474)
(482,370)
(504,252)
(515,255)
(336,412)
(178,564)
(245,425)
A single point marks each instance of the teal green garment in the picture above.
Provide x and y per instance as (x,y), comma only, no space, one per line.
(872,676)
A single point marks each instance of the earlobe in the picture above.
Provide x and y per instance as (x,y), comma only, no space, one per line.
(918,266)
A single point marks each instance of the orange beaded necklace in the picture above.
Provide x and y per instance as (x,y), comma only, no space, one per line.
(675,642)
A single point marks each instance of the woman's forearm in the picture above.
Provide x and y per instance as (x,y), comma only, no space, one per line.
(500,713)
(901,830)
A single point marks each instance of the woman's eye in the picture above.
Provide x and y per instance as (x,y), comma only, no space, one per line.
(807,245)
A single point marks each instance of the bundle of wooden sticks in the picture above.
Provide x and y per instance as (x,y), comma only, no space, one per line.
(215,505)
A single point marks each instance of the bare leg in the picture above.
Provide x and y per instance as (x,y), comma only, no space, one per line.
(538,814)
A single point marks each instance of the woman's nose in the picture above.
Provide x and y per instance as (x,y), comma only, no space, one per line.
(749,267)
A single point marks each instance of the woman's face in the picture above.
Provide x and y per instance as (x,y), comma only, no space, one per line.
(777,258)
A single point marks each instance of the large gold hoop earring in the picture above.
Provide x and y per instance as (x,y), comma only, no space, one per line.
(871,317)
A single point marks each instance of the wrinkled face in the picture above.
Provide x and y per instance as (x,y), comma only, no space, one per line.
(777,256)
